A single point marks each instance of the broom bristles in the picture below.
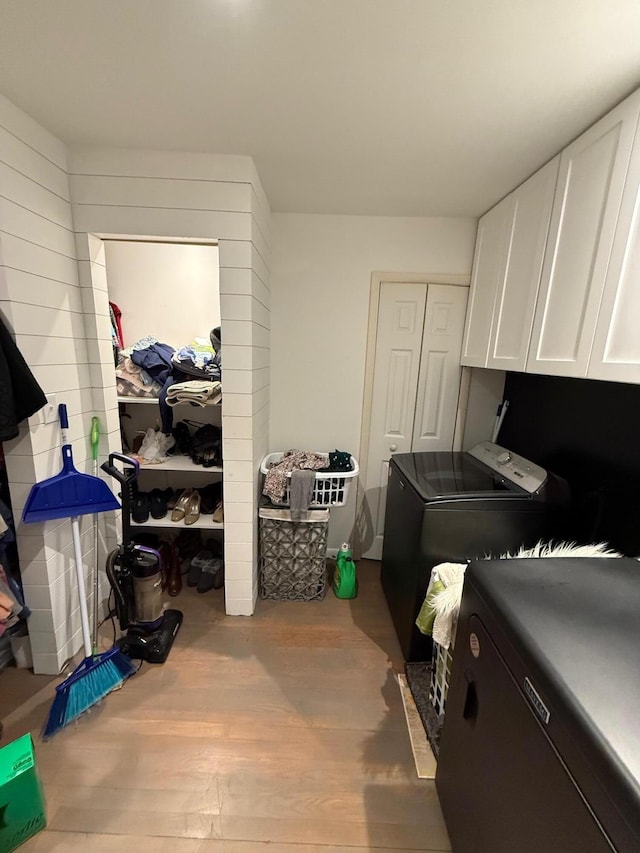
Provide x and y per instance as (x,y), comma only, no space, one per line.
(90,682)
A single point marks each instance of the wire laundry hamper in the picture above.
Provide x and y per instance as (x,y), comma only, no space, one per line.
(440,676)
(330,488)
(293,555)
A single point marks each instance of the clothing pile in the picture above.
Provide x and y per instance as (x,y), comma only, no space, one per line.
(154,448)
(133,381)
(191,374)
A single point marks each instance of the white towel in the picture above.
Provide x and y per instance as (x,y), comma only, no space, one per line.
(447,602)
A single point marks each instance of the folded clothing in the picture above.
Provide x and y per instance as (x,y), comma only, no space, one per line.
(198,391)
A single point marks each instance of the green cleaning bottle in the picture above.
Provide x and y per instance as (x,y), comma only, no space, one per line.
(344,551)
(345,582)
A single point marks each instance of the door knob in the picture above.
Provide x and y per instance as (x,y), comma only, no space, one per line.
(393,447)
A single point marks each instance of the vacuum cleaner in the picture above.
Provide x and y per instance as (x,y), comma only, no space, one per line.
(134,573)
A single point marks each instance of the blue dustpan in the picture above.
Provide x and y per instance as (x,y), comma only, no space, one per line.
(69,493)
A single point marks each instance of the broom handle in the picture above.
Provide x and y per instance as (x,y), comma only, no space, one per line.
(82,592)
(95,442)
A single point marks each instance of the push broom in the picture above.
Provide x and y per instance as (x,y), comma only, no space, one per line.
(71,494)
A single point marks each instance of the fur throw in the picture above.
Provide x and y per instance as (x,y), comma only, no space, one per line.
(445,603)
(562,549)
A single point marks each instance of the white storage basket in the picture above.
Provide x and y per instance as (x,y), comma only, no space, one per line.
(330,489)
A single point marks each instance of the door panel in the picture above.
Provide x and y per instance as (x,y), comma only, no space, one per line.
(502,786)
(488,272)
(397,363)
(518,288)
(616,347)
(416,384)
(587,201)
(439,379)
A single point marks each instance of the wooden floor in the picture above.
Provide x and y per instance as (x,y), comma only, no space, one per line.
(279,732)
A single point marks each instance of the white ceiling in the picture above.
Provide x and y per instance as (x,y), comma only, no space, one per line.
(386,107)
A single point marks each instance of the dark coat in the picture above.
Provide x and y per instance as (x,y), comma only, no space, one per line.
(20,394)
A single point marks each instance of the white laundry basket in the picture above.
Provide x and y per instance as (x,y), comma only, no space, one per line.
(330,488)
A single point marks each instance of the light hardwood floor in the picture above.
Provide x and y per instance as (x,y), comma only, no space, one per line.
(279,732)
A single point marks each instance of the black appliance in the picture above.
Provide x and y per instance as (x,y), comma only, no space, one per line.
(454,507)
(540,749)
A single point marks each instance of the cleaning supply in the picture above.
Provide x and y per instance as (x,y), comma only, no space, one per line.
(345,582)
(344,551)
(94,437)
(70,495)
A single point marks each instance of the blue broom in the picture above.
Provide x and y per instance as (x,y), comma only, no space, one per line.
(71,494)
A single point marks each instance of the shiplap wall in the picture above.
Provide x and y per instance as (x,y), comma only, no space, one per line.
(184,195)
(41,299)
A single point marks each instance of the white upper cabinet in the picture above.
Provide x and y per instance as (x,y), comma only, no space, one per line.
(488,267)
(515,302)
(588,195)
(616,346)
(506,274)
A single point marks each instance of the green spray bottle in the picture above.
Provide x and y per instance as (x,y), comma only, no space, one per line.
(345,582)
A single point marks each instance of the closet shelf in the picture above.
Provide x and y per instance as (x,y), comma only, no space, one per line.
(180,463)
(154,401)
(203,523)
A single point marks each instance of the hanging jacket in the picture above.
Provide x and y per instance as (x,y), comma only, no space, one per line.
(20,394)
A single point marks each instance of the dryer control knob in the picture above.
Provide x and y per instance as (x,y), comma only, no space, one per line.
(504,458)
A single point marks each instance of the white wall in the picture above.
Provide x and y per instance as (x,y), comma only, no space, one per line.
(170,290)
(41,299)
(321,279)
(486,390)
(183,195)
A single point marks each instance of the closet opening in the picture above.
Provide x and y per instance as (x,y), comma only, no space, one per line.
(163,401)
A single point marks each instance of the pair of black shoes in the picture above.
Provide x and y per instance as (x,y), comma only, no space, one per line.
(153,503)
(206,569)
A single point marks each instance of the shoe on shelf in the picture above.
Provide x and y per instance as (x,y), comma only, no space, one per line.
(218,515)
(210,497)
(212,576)
(182,503)
(157,503)
(192,510)
(140,507)
(201,559)
(188,542)
(218,577)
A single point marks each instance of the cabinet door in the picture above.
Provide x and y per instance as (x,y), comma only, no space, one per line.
(587,201)
(616,346)
(488,269)
(515,302)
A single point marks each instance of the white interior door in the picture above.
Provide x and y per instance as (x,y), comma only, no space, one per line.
(439,378)
(415,385)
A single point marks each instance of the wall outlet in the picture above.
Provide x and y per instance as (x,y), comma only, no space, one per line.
(50,410)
